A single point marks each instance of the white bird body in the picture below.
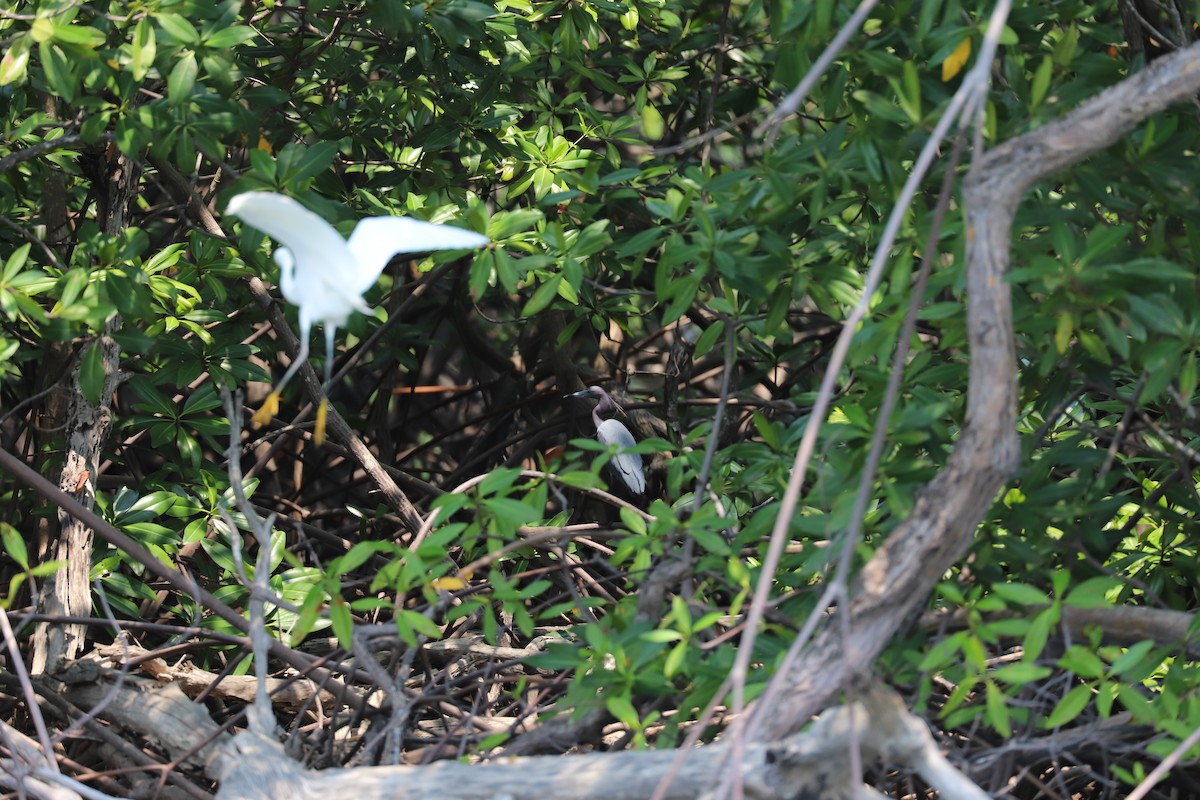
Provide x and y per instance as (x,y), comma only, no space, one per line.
(611,432)
(325,275)
(628,465)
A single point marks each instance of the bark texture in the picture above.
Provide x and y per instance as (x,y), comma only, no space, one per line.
(940,529)
(67,593)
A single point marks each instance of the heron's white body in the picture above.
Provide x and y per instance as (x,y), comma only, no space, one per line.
(628,465)
(611,433)
(322,273)
(325,275)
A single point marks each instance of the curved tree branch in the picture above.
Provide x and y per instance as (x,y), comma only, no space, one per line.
(941,527)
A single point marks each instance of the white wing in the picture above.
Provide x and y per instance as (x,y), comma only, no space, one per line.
(628,465)
(376,239)
(288,222)
(318,253)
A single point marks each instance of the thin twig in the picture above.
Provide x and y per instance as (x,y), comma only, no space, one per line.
(105,530)
(710,450)
(792,102)
(34,710)
(71,140)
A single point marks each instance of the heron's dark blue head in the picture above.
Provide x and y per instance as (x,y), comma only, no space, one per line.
(626,466)
(606,403)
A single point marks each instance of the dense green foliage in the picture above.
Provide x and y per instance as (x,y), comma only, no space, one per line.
(627,250)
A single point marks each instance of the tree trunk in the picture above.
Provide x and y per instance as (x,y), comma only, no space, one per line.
(68,591)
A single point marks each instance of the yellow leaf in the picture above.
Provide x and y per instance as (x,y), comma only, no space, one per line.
(265,146)
(956,60)
(449,583)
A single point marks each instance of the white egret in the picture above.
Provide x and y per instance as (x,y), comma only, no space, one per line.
(325,275)
(626,465)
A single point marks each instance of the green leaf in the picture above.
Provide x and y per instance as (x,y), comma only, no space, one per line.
(14,545)
(944,652)
(1069,707)
(1041,82)
(298,163)
(909,91)
(60,76)
(1103,239)
(178,28)
(414,622)
(85,36)
(620,707)
(675,659)
(92,373)
(683,293)
(653,124)
(143,49)
(1039,632)
(1021,594)
(1188,378)
(182,78)
(1021,673)
(707,339)
(542,296)
(343,623)
(1093,592)
(15,61)
(1135,702)
(1082,661)
(15,262)
(42,29)
(226,38)
(928,16)
(507,223)
(997,710)
(557,656)
(1132,657)
(1063,331)
(1064,50)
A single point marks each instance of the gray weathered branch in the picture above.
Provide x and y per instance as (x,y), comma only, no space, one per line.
(941,527)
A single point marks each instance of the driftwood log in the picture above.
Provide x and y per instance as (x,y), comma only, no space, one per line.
(814,764)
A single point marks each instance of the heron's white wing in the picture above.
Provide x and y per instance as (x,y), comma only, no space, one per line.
(376,239)
(319,252)
(628,465)
(289,223)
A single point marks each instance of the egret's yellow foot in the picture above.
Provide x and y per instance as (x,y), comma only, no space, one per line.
(319,429)
(270,408)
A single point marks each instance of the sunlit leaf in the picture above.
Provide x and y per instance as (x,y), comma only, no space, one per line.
(957,59)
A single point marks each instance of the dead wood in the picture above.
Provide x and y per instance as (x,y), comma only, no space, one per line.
(814,764)
(68,592)
(145,709)
(896,581)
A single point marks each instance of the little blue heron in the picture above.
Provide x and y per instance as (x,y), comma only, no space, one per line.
(626,465)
